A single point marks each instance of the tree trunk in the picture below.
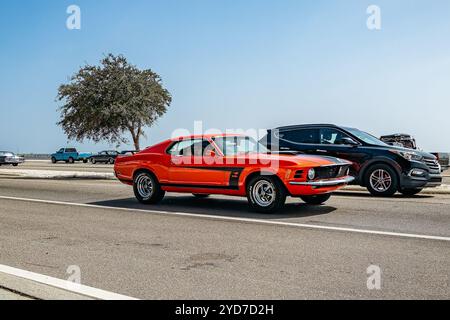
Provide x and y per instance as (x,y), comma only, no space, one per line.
(136,136)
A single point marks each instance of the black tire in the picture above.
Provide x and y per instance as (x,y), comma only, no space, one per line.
(85,161)
(277,200)
(53,160)
(15,164)
(111,161)
(410,192)
(71,160)
(317,199)
(389,188)
(93,161)
(143,195)
(200,196)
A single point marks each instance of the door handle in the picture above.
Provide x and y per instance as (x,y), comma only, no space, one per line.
(320,150)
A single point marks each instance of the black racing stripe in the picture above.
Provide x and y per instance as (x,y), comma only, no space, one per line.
(197,186)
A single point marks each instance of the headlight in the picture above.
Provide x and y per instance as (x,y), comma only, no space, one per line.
(311,174)
(408,155)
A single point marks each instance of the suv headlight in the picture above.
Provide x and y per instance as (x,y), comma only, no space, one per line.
(408,155)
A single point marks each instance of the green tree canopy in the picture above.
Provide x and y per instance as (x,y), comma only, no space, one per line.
(104,102)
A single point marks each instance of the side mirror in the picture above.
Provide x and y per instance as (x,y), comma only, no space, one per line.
(348,141)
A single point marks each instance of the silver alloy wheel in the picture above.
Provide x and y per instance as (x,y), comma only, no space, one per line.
(144,186)
(263,193)
(380,180)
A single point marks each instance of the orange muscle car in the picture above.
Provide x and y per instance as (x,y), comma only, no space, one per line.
(232,165)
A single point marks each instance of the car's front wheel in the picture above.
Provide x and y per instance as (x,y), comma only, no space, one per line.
(265,194)
(111,161)
(93,161)
(410,192)
(317,199)
(53,160)
(381,180)
(147,188)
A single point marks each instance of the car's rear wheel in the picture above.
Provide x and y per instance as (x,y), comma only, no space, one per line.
(85,161)
(71,160)
(15,164)
(147,188)
(200,196)
(381,180)
(53,160)
(265,194)
(317,199)
(111,161)
(410,192)
(93,161)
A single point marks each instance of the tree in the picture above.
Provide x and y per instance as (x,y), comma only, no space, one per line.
(103,102)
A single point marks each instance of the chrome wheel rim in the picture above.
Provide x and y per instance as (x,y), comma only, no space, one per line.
(144,186)
(380,180)
(263,193)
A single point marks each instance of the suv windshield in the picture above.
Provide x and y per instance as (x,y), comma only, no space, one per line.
(232,146)
(367,138)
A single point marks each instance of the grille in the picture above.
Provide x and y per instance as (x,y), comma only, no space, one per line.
(432,164)
(299,174)
(331,172)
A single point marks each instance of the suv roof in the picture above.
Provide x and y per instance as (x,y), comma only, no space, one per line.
(300,126)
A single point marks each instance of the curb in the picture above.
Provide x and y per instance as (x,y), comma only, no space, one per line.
(56,175)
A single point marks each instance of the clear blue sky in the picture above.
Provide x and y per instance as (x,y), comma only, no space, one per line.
(236,64)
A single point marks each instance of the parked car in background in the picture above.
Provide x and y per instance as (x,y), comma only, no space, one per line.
(231,165)
(381,168)
(9,158)
(400,140)
(128,152)
(70,155)
(104,157)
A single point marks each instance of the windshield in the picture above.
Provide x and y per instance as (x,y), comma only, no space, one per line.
(367,138)
(237,145)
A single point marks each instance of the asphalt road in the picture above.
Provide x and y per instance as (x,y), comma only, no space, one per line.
(161,252)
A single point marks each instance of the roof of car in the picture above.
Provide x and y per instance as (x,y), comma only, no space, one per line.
(208,136)
(300,126)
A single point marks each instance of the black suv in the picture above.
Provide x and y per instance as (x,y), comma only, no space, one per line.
(381,168)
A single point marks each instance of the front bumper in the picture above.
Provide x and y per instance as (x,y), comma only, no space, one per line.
(324,183)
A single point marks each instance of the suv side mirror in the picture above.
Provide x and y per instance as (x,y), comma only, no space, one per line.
(348,141)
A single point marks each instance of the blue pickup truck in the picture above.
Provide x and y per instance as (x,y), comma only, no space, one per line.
(70,155)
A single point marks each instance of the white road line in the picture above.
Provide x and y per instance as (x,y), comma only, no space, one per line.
(235,219)
(63,284)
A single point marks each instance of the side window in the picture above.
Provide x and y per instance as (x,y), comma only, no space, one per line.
(71,150)
(61,150)
(184,148)
(332,136)
(303,136)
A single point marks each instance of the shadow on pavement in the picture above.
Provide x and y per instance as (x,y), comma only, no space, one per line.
(218,207)
(368,195)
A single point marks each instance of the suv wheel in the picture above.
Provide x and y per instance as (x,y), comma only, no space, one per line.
(53,160)
(147,188)
(410,192)
(381,180)
(316,200)
(265,194)
(93,161)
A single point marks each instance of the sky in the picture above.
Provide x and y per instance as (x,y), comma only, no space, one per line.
(250,64)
